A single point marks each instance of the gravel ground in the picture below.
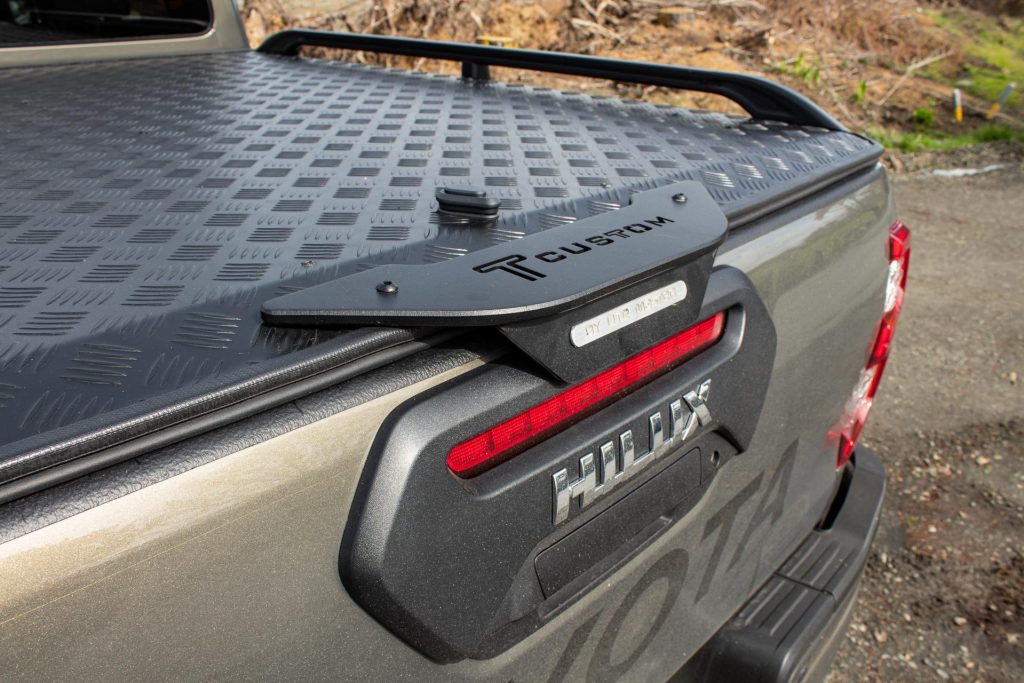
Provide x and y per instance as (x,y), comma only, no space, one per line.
(943,592)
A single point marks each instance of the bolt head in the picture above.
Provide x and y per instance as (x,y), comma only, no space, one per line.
(679,198)
(387,287)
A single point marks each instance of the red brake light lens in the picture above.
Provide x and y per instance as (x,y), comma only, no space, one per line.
(848,429)
(516,434)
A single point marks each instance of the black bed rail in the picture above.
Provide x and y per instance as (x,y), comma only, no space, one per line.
(761,98)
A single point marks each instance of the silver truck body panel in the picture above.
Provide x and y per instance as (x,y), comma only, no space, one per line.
(230,570)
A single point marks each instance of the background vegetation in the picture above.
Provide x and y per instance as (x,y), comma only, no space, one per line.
(885,67)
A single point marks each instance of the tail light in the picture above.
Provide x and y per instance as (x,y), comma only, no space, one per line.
(516,434)
(848,429)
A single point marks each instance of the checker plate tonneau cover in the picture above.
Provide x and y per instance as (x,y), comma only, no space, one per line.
(149,207)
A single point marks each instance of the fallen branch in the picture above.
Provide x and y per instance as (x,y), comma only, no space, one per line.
(596,14)
(920,64)
(597,29)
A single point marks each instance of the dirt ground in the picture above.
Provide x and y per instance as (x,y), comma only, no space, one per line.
(943,593)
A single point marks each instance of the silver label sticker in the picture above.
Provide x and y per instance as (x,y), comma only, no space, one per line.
(628,313)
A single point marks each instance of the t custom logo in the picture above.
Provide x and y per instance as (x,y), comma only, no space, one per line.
(513,264)
(510,264)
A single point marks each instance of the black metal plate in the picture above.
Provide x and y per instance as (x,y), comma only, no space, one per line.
(539,275)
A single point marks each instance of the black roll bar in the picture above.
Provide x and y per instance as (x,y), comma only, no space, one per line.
(761,98)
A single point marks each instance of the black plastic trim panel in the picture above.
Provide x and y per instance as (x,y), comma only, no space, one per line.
(418,538)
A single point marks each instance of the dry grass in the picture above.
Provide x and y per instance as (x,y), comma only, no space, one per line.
(888,30)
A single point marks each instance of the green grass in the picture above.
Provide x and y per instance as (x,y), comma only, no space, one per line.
(995,51)
(923,117)
(809,73)
(938,141)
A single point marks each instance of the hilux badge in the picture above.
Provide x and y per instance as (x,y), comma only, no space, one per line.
(628,313)
(618,462)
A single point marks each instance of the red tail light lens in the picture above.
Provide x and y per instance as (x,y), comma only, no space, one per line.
(515,435)
(848,429)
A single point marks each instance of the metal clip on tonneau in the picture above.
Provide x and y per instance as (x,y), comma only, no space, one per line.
(534,290)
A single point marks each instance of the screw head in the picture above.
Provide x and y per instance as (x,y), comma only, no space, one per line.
(387,287)
(679,198)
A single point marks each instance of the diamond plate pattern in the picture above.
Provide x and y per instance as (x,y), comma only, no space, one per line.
(148,207)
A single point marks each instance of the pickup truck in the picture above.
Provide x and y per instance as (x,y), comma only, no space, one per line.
(311,369)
